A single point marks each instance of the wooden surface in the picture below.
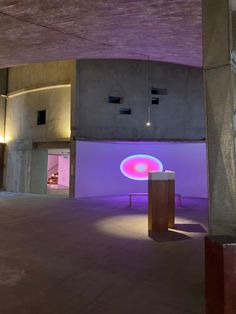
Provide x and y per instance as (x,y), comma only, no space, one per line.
(220,275)
(178,196)
(171,204)
(161,204)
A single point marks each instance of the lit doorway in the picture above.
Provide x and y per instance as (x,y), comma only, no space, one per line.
(58,172)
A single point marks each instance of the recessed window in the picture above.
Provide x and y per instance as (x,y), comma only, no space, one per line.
(155,101)
(125,111)
(159,91)
(41,117)
(114,100)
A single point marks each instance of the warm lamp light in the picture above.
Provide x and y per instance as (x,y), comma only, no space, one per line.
(7,139)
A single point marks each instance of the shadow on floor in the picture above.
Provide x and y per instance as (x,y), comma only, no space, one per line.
(168,236)
(190,228)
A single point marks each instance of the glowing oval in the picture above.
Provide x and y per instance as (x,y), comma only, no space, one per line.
(136,167)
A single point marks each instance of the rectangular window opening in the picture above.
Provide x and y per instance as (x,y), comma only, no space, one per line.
(114,100)
(159,91)
(125,111)
(155,101)
(41,117)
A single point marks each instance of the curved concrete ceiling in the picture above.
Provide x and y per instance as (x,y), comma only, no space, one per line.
(164,30)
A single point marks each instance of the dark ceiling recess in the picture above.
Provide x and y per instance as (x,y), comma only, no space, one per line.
(125,111)
(155,101)
(159,91)
(114,100)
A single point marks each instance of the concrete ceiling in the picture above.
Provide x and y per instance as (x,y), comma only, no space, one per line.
(44,30)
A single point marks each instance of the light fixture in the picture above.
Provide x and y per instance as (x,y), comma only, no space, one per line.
(4,96)
(148,121)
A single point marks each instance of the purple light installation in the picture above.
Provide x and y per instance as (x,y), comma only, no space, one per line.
(136,167)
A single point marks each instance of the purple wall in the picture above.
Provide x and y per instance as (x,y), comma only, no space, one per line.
(98,167)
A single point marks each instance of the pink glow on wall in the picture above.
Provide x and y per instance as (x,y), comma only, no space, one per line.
(98,167)
(63,170)
(136,167)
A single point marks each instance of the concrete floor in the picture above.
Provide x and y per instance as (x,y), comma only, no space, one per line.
(55,189)
(66,256)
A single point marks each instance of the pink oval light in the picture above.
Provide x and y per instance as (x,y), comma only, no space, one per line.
(136,167)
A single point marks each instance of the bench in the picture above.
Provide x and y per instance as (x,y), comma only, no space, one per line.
(179,197)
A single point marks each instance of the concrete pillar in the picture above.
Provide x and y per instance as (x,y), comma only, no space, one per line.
(2,149)
(219,100)
(3,91)
(74,96)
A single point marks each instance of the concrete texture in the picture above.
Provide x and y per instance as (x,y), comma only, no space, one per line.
(179,115)
(219,96)
(21,123)
(2,149)
(3,91)
(216,50)
(32,31)
(40,74)
(58,190)
(93,256)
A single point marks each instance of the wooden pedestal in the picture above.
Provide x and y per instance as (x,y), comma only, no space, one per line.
(161,202)
(220,275)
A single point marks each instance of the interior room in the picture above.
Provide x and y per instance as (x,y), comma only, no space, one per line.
(118,157)
(58,172)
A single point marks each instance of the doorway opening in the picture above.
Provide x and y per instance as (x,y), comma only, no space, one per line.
(58,172)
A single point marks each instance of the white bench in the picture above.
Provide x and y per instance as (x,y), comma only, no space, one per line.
(179,197)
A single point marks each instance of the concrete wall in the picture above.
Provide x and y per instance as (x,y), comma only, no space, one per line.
(21,124)
(179,116)
(2,149)
(3,91)
(98,167)
(47,73)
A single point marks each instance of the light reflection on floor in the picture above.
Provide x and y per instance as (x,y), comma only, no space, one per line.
(190,221)
(93,256)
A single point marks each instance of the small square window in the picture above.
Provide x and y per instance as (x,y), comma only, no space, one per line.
(159,91)
(114,100)
(41,117)
(155,101)
(125,111)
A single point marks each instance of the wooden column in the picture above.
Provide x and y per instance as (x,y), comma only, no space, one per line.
(220,275)
(161,201)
